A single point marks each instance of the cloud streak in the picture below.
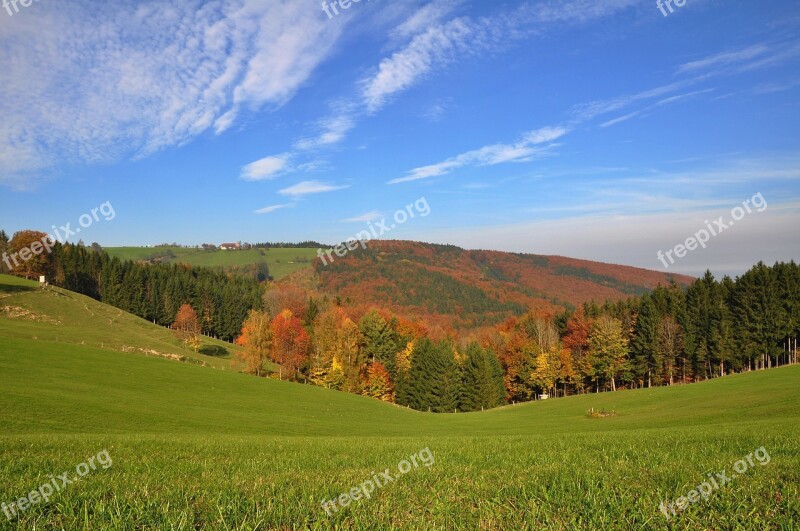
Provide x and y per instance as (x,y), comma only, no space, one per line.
(106,82)
(311,187)
(526,149)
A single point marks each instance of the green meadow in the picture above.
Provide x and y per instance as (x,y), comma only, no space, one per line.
(281,261)
(196,447)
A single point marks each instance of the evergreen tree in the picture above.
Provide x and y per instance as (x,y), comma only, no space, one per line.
(379,341)
(759,315)
(433,379)
(646,359)
(483,380)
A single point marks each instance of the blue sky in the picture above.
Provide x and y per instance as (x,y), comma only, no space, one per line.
(593,129)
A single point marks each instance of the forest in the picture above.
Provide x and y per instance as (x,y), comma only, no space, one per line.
(152,291)
(671,335)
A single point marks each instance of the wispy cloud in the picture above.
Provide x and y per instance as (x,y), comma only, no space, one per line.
(110,81)
(266,168)
(364,218)
(273,208)
(435,47)
(724,59)
(528,147)
(587,111)
(330,130)
(311,187)
(660,103)
(624,118)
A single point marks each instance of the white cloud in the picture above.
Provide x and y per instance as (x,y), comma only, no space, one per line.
(331,130)
(93,83)
(587,111)
(266,168)
(272,208)
(436,46)
(725,59)
(364,218)
(524,150)
(310,187)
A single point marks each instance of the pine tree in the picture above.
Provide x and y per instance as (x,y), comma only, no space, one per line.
(646,365)
(483,380)
(433,379)
(379,341)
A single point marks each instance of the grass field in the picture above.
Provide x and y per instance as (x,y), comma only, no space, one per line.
(281,262)
(59,316)
(194,447)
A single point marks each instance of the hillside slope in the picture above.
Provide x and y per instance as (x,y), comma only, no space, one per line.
(467,289)
(99,392)
(197,448)
(59,316)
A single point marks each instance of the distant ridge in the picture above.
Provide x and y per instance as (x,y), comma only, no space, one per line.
(468,289)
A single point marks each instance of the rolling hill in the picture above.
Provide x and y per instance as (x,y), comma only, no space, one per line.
(467,289)
(63,317)
(194,447)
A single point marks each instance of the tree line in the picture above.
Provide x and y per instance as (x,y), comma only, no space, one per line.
(152,291)
(669,336)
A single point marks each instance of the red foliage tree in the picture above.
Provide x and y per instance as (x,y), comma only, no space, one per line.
(379,383)
(290,343)
(576,339)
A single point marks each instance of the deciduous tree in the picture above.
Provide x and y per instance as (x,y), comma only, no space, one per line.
(256,341)
(188,326)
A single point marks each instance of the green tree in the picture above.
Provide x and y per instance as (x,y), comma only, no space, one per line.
(433,379)
(644,351)
(759,315)
(379,341)
(483,380)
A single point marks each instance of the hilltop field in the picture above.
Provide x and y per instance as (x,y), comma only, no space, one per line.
(281,261)
(197,446)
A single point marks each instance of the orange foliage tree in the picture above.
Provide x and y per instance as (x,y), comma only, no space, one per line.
(379,383)
(290,343)
(28,255)
(255,340)
(576,340)
(188,326)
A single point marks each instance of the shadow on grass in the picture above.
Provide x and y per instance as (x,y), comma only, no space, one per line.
(14,288)
(213,350)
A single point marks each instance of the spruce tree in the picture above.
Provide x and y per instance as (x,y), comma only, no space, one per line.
(647,365)
(433,380)
(483,380)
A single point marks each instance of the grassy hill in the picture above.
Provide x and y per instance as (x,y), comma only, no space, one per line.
(281,261)
(194,447)
(468,289)
(55,315)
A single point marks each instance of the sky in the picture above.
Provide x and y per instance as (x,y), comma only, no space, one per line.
(609,130)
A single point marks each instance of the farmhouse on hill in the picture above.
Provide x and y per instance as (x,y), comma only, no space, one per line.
(229,246)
